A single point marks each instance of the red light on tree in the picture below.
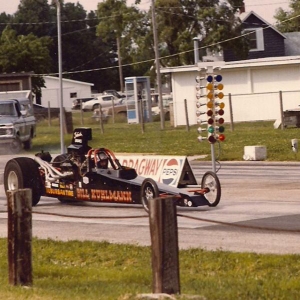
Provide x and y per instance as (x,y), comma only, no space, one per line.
(221,137)
(221,112)
(211,139)
(221,121)
(209,113)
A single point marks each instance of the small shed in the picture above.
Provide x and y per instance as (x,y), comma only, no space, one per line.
(72,90)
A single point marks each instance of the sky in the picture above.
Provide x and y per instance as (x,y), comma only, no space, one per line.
(264,8)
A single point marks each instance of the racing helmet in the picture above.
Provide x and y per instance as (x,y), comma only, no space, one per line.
(102,160)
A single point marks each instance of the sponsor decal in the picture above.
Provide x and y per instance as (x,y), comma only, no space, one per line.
(165,169)
(82,194)
(59,192)
(47,184)
(145,166)
(78,137)
(69,186)
(85,180)
(170,172)
(104,195)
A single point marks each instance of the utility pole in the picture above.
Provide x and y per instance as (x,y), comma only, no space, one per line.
(157,64)
(61,107)
(120,64)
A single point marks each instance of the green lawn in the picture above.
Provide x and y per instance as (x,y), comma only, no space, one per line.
(91,270)
(128,138)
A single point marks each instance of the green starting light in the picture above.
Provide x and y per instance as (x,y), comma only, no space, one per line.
(211,129)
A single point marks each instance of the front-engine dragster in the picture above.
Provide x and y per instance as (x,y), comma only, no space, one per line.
(95,174)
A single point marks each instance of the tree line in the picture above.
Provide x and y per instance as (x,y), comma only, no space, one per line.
(95,42)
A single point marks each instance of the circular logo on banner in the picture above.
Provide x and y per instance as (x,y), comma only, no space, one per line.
(170,172)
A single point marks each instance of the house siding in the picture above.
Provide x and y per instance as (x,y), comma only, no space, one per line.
(273,41)
(51,94)
(254,86)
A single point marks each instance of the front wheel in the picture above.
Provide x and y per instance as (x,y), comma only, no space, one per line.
(15,146)
(21,173)
(211,181)
(96,106)
(149,190)
(28,144)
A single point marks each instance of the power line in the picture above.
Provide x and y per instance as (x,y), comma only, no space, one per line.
(169,56)
(62,21)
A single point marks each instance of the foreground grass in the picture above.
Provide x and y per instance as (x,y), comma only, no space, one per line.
(91,270)
(128,138)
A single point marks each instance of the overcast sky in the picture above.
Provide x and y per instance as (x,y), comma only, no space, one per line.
(264,8)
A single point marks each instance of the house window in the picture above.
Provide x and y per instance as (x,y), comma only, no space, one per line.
(7,86)
(73,95)
(256,38)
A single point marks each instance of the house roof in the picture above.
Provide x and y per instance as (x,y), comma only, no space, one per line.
(69,80)
(15,94)
(245,15)
(259,62)
(16,74)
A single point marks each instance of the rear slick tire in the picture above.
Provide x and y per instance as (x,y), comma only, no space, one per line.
(22,173)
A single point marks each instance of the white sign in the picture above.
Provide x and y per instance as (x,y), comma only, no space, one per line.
(161,168)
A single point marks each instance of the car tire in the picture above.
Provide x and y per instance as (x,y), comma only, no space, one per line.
(149,190)
(21,173)
(96,106)
(28,144)
(15,146)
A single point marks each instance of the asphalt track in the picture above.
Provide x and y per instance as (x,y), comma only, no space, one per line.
(259,212)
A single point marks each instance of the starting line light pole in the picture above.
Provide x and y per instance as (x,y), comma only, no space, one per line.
(208,92)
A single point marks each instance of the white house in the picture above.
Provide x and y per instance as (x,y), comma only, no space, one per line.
(254,86)
(72,89)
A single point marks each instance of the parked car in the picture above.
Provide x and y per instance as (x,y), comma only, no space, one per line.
(166,105)
(76,102)
(113,92)
(17,125)
(120,109)
(104,101)
(41,112)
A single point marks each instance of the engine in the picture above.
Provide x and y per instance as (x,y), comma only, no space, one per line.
(74,163)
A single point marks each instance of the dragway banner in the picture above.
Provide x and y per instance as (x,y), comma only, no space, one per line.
(170,170)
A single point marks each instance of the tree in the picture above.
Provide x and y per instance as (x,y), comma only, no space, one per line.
(35,17)
(117,22)
(213,21)
(4,20)
(288,21)
(20,53)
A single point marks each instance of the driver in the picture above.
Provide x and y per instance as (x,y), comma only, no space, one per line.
(103,161)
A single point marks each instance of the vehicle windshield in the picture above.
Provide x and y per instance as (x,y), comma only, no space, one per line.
(7,109)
